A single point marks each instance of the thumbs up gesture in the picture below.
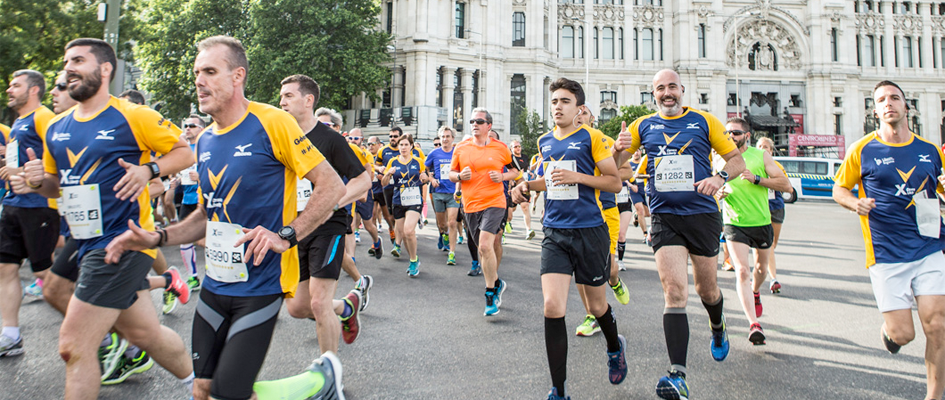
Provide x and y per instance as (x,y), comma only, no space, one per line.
(31,177)
(133,183)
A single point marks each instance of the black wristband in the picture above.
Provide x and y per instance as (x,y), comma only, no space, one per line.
(163,239)
(757,180)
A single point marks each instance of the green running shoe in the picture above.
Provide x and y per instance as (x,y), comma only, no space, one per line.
(194,283)
(127,367)
(589,327)
(170,302)
(109,357)
(451,259)
(620,292)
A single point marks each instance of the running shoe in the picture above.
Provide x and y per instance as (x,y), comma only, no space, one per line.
(727,265)
(446,242)
(775,287)
(617,363)
(475,270)
(170,303)
(420,224)
(10,347)
(378,249)
(110,356)
(351,326)
(758,307)
(636,221)
(553,395)
(620,292)
(621,266)
(35,289)
(357,237)
(719,343)
(499,290)
(328,366)
(414,268)
(193,283)
(503,238)
(364,286)
(127,367)
(756,335)
(508,227)
(891,346)
(589,327)
(459,239)
(395,251)
(530,235)
(673,386)
(370,251)
(439,242)
(451,259)
(177,286)
(648,240)
(491,307)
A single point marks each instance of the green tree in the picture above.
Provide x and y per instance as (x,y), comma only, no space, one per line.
(335,43)
(627,114)
(530,127)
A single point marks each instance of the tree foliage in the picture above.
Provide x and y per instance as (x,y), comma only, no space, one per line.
(627,114)
(335,43)
(530,127)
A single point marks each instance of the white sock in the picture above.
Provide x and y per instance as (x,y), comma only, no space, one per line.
(189,255)
(12,332)
(188,382)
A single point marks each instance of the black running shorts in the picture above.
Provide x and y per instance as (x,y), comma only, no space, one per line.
(67,262)
(320,256)
(699,233)
(582,252)
(112,285)
(28,233)
(756,237)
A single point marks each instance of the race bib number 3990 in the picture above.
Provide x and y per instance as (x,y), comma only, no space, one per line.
(224,262)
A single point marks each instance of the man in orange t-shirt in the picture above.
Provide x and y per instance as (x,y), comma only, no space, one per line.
(479,165)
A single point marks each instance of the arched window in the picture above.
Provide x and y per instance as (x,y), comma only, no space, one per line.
(566,47)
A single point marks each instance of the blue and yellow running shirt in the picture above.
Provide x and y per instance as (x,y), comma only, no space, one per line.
(892,174)
(248,173)
(85,151)
(387,153)
(608,200)
(682,140)
(438,163)
(405,176)
(581,149)
(5,132)
(29,132)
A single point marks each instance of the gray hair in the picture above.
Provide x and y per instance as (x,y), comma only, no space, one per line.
(33,79)
(334,115)
(483,110)
(444,128)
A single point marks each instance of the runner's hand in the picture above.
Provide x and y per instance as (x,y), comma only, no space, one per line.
(495,176)
(33,169)
(4,173)
(261,240)
(634,188)
(518,192)
(133,183)
(465,174)
(710,185)
(193,176)
(864,205)
(435,183)
(748,176)
(134,239)
(562,176)
(623,139)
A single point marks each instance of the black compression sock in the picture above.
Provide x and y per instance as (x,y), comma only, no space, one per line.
(556,344)
(167,279)
(715,312)
(676,330)
(621,248)
(608,325)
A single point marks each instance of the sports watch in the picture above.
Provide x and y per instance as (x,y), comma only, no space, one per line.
(155,169)
(723,174)
(288,233)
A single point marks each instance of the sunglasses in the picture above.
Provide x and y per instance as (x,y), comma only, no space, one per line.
(478,121)
(394,137)
(436,145)
(191,126)
(735,132)
(62,86)
(354,138)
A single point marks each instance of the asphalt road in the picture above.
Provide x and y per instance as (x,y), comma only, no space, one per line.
(426,338)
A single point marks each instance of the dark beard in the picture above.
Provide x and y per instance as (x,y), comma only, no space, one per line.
(741,143)
(88,86)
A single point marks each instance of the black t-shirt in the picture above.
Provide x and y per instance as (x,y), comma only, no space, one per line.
(340,156)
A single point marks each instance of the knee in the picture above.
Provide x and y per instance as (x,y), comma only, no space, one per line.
(452,223)
(676,297)
(9,271)
(743,273)
(934,328)
(321,305)
(486,247)
(901,334)
(298,309)
(554,309)
(410,231)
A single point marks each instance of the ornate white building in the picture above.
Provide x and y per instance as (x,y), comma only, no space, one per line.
(796,66)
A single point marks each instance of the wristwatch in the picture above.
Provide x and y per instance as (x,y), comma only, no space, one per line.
(757,180)
(155,169)
(723,174)
(288,233)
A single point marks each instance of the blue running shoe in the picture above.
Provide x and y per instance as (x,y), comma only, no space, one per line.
(414,268)
(617,362)
(459,239)
(673,386)
(499,289)
(553,395)
(475,270)
(439,242)
(395,251)
(491,307)
(719,344)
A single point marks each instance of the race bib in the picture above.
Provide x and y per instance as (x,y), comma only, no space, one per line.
(560,192)
(445,172)
(82,207)
(927,215)
(185,176)
(624,195)
(674,174)
(13,154)
(225,262)
(770,194)
(410,196)
(303,192)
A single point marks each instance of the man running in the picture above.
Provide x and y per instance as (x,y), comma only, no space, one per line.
(374,146)
(686,221)
(93,154)
(445,206)
(478,165)
(902,227)
(578,166)
(520,164)
(747,221)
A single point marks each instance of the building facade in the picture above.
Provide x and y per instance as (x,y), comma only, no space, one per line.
(791,66)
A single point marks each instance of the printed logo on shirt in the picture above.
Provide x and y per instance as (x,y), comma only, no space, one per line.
(204,156)
(924,158)
(241,151)
(885,161)
(903,189)
(574,145)
(657,126)
(60,137)
(25,128)
(692,125)
(103,135)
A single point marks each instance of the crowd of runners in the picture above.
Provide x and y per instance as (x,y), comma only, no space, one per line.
(278,199)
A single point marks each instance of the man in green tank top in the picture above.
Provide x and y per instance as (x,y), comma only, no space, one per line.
(747,220)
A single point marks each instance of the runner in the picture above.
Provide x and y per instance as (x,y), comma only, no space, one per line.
(686,221)
(383,157)
(748,221)
(364,209)
(405,174)
(776,206)
(576,236)
(96,147)
(29,223)
(631,194)
(377,194)
(445,206)
(902,227)
(519,162)
(193,125)
(478,165)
